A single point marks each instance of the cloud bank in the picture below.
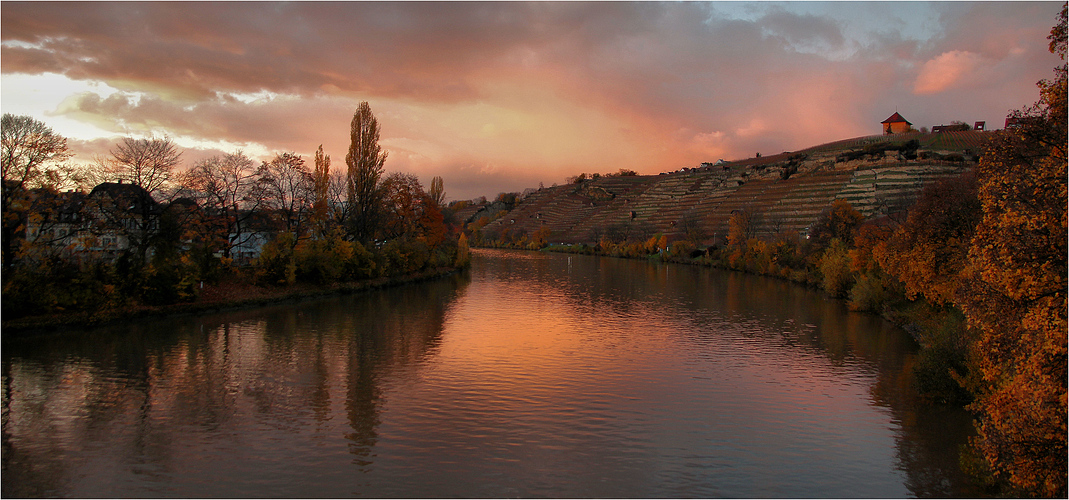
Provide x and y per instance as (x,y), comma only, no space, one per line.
(501,96)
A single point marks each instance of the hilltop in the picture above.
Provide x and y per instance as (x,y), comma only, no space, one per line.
(878,175)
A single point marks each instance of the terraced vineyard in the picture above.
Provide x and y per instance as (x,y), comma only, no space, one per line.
(778,199)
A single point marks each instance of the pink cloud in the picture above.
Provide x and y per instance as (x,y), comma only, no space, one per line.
(947,71)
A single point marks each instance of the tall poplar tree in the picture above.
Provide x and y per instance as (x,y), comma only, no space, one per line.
(437,191)
(321,188)
(364,165)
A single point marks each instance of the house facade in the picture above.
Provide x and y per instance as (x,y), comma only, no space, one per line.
(113,219)
(896,124)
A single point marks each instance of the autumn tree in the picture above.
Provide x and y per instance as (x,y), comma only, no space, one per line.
(29,146)
(437,191)
(321,191)
(836,222)
(403,195)
(740,228)
(1017,292)
(929,251)
(364,166)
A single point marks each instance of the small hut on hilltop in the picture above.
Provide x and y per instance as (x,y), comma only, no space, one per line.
(895,124)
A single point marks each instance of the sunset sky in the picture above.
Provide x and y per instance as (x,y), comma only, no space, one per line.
(499,97)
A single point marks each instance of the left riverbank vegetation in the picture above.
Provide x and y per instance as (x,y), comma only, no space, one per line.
(136,230)
(976,270)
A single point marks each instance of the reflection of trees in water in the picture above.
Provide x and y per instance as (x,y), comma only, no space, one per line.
(786,315)
(286,366)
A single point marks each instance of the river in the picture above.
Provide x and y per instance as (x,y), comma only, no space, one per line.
(531,375)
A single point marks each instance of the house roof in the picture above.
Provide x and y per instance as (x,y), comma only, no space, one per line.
(126,196)
(896,118)
(50,203)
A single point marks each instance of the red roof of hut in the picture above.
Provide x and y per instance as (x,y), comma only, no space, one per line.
(896,118)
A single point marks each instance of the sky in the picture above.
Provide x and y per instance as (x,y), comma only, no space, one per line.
(500,97)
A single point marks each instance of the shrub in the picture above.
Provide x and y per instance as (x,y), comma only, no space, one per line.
(276,264)
(835,269)
(322,261)
(360,264)
(869,293)
(168,281)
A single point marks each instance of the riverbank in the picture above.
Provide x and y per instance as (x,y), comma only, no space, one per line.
(228,294)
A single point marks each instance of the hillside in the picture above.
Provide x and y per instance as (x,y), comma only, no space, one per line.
(878,175)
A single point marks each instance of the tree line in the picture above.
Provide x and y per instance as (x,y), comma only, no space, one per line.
(134,228)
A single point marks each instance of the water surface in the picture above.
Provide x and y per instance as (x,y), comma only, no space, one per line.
(531,375)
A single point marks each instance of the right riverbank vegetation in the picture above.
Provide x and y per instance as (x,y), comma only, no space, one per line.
(226,231)
(975,269)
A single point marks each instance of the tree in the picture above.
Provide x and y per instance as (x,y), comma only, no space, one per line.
(437,191)
(692,228)
(28,147)
(321,187)
(929,251)
(148,163)
(225,187)
(364,165)
(740,228)
(837,221)
(404,205)
(288,190)
(1017,293)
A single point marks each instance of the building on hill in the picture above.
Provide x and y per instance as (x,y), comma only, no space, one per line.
(896,124)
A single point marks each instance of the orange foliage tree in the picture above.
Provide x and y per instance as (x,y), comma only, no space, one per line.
(837,221)
(929,251)
(1017,293)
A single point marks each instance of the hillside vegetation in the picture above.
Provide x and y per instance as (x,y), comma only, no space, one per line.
(877,175)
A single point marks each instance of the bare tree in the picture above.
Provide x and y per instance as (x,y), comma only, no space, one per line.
(288,190)
(226,189)
(338,208)
(148,163)
(364,164)
(692,227)
(28,146)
